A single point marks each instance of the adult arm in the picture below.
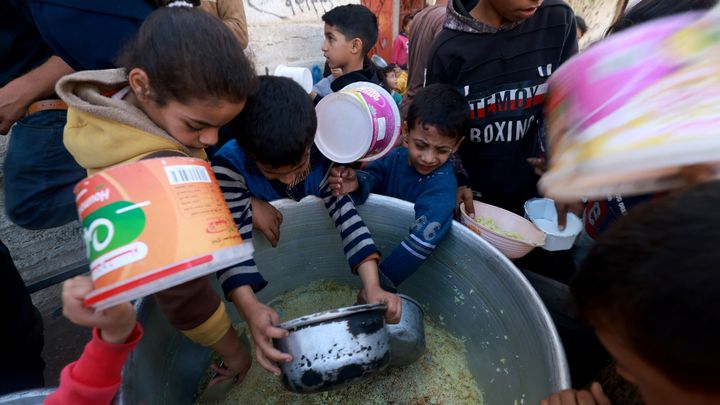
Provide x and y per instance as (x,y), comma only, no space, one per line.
(17,95)
(232,12)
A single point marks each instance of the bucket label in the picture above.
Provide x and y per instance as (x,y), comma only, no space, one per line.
(154,215)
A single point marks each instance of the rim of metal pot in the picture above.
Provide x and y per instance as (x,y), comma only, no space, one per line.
(324,316)
(412,300)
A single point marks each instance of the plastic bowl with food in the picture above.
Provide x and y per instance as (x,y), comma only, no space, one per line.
(542,213)
(511,234)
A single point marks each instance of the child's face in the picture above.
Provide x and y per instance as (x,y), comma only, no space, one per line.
(195,124)
(516,10)
(391,80)
(427,148)
(289,174)
(654,386)
(337,49)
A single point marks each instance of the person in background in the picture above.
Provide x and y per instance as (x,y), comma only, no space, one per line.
(350,32)
(95,377)
(232,13)
(21,342)
(421,173)
(400,49)
(273,157)
(39,174)
(322,88)
(649,289)
(499,54)
(582,27)
(167,100)
(389,82)
(427,24)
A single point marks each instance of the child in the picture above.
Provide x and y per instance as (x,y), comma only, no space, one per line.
(166,100)
(389,82)
(649,289)
(273,157)
(420,173)
(400,44)
(500,53)
(95,377)
(350,32)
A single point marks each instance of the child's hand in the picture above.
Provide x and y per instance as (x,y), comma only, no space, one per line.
(261,320)
(464,195)
(372,293)
(342,180)
(115,323)
(595,396)
(266,219)
(539,165)
(236,358)
(378,295)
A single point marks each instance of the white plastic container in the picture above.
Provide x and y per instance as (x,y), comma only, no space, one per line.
(360,122)
(542,213)
(300,75)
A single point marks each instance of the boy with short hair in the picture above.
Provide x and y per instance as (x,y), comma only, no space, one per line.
(500,53)
(421,173)
(649,289)
(273,157)
(350,32)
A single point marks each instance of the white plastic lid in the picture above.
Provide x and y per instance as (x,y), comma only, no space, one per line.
(344,131)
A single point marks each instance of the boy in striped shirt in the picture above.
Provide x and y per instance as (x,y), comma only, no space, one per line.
(273,157)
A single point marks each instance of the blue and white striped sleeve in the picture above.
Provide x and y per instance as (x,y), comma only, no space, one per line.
(357,241)
(237,196)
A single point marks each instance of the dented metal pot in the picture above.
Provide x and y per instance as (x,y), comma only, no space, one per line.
(407,338)
(334,348)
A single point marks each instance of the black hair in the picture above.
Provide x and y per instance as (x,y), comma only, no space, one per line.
(581,24)
(653,279)
(383,72)
(278,124)
(441,106)
(406,20)
(648,10)
(354,21)
(188,54)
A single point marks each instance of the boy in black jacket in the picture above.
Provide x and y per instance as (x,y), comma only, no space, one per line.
(350,32)
(499,53)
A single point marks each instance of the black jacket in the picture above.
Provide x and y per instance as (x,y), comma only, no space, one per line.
(502,72)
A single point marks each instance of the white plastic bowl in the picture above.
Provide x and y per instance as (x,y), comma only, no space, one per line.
(542,213)
(532,237)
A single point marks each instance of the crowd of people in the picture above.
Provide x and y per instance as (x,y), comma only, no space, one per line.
(163,78)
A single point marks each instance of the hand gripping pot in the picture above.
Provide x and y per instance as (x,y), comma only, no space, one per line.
(334,348)
(407,338)
(360,122)
(154,224)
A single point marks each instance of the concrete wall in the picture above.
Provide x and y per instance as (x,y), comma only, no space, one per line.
(287,31)
(598,14)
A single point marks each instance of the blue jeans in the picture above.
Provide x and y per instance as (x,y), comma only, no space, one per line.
(40,173)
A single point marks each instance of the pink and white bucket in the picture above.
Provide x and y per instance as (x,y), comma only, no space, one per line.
(360,122)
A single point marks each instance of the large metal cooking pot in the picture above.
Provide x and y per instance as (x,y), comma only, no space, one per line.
(466,285)
(334,348)
(29,397)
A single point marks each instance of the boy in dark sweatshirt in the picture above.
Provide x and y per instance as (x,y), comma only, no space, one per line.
(500,53)
(350,32)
